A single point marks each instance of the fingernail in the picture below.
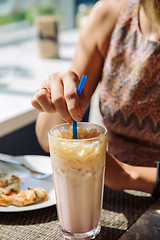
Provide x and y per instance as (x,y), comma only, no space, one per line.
(78,118)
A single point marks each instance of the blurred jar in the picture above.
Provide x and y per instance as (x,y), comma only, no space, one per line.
(47,29)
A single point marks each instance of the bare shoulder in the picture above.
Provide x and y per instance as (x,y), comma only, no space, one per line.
(105,10)
(102,19)
(108,6)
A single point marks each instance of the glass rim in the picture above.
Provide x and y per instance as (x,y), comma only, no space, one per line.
(75,140)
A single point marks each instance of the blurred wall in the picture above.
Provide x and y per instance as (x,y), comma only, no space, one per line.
(66,11)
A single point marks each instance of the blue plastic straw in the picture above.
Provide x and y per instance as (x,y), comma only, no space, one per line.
(79,90)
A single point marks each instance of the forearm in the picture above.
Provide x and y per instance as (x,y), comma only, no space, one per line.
(141,178)
(120,176)
(44,122)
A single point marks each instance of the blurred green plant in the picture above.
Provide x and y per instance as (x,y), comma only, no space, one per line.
(46,10)
(28,14)
(40,10)
(14,17)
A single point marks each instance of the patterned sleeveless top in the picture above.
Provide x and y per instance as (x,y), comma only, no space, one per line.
(130,91)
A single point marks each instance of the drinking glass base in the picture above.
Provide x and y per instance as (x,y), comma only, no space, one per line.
(78,236)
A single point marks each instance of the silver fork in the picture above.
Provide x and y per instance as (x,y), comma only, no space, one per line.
(34,174)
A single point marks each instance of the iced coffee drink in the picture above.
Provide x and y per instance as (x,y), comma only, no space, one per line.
(78,170)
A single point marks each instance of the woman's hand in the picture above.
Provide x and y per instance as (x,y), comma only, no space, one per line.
(59,94)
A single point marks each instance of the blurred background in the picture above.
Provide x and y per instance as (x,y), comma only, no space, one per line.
(24,11)
(37,37)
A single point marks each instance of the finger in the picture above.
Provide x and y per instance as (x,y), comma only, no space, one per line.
(36,105)
(43,98)
(58,100)
(72,98)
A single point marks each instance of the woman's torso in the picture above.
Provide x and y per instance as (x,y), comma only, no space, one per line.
(130,91)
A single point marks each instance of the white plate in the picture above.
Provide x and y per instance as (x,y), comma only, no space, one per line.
(39,163)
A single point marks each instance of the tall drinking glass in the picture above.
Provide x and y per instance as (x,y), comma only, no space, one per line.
(78,170)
